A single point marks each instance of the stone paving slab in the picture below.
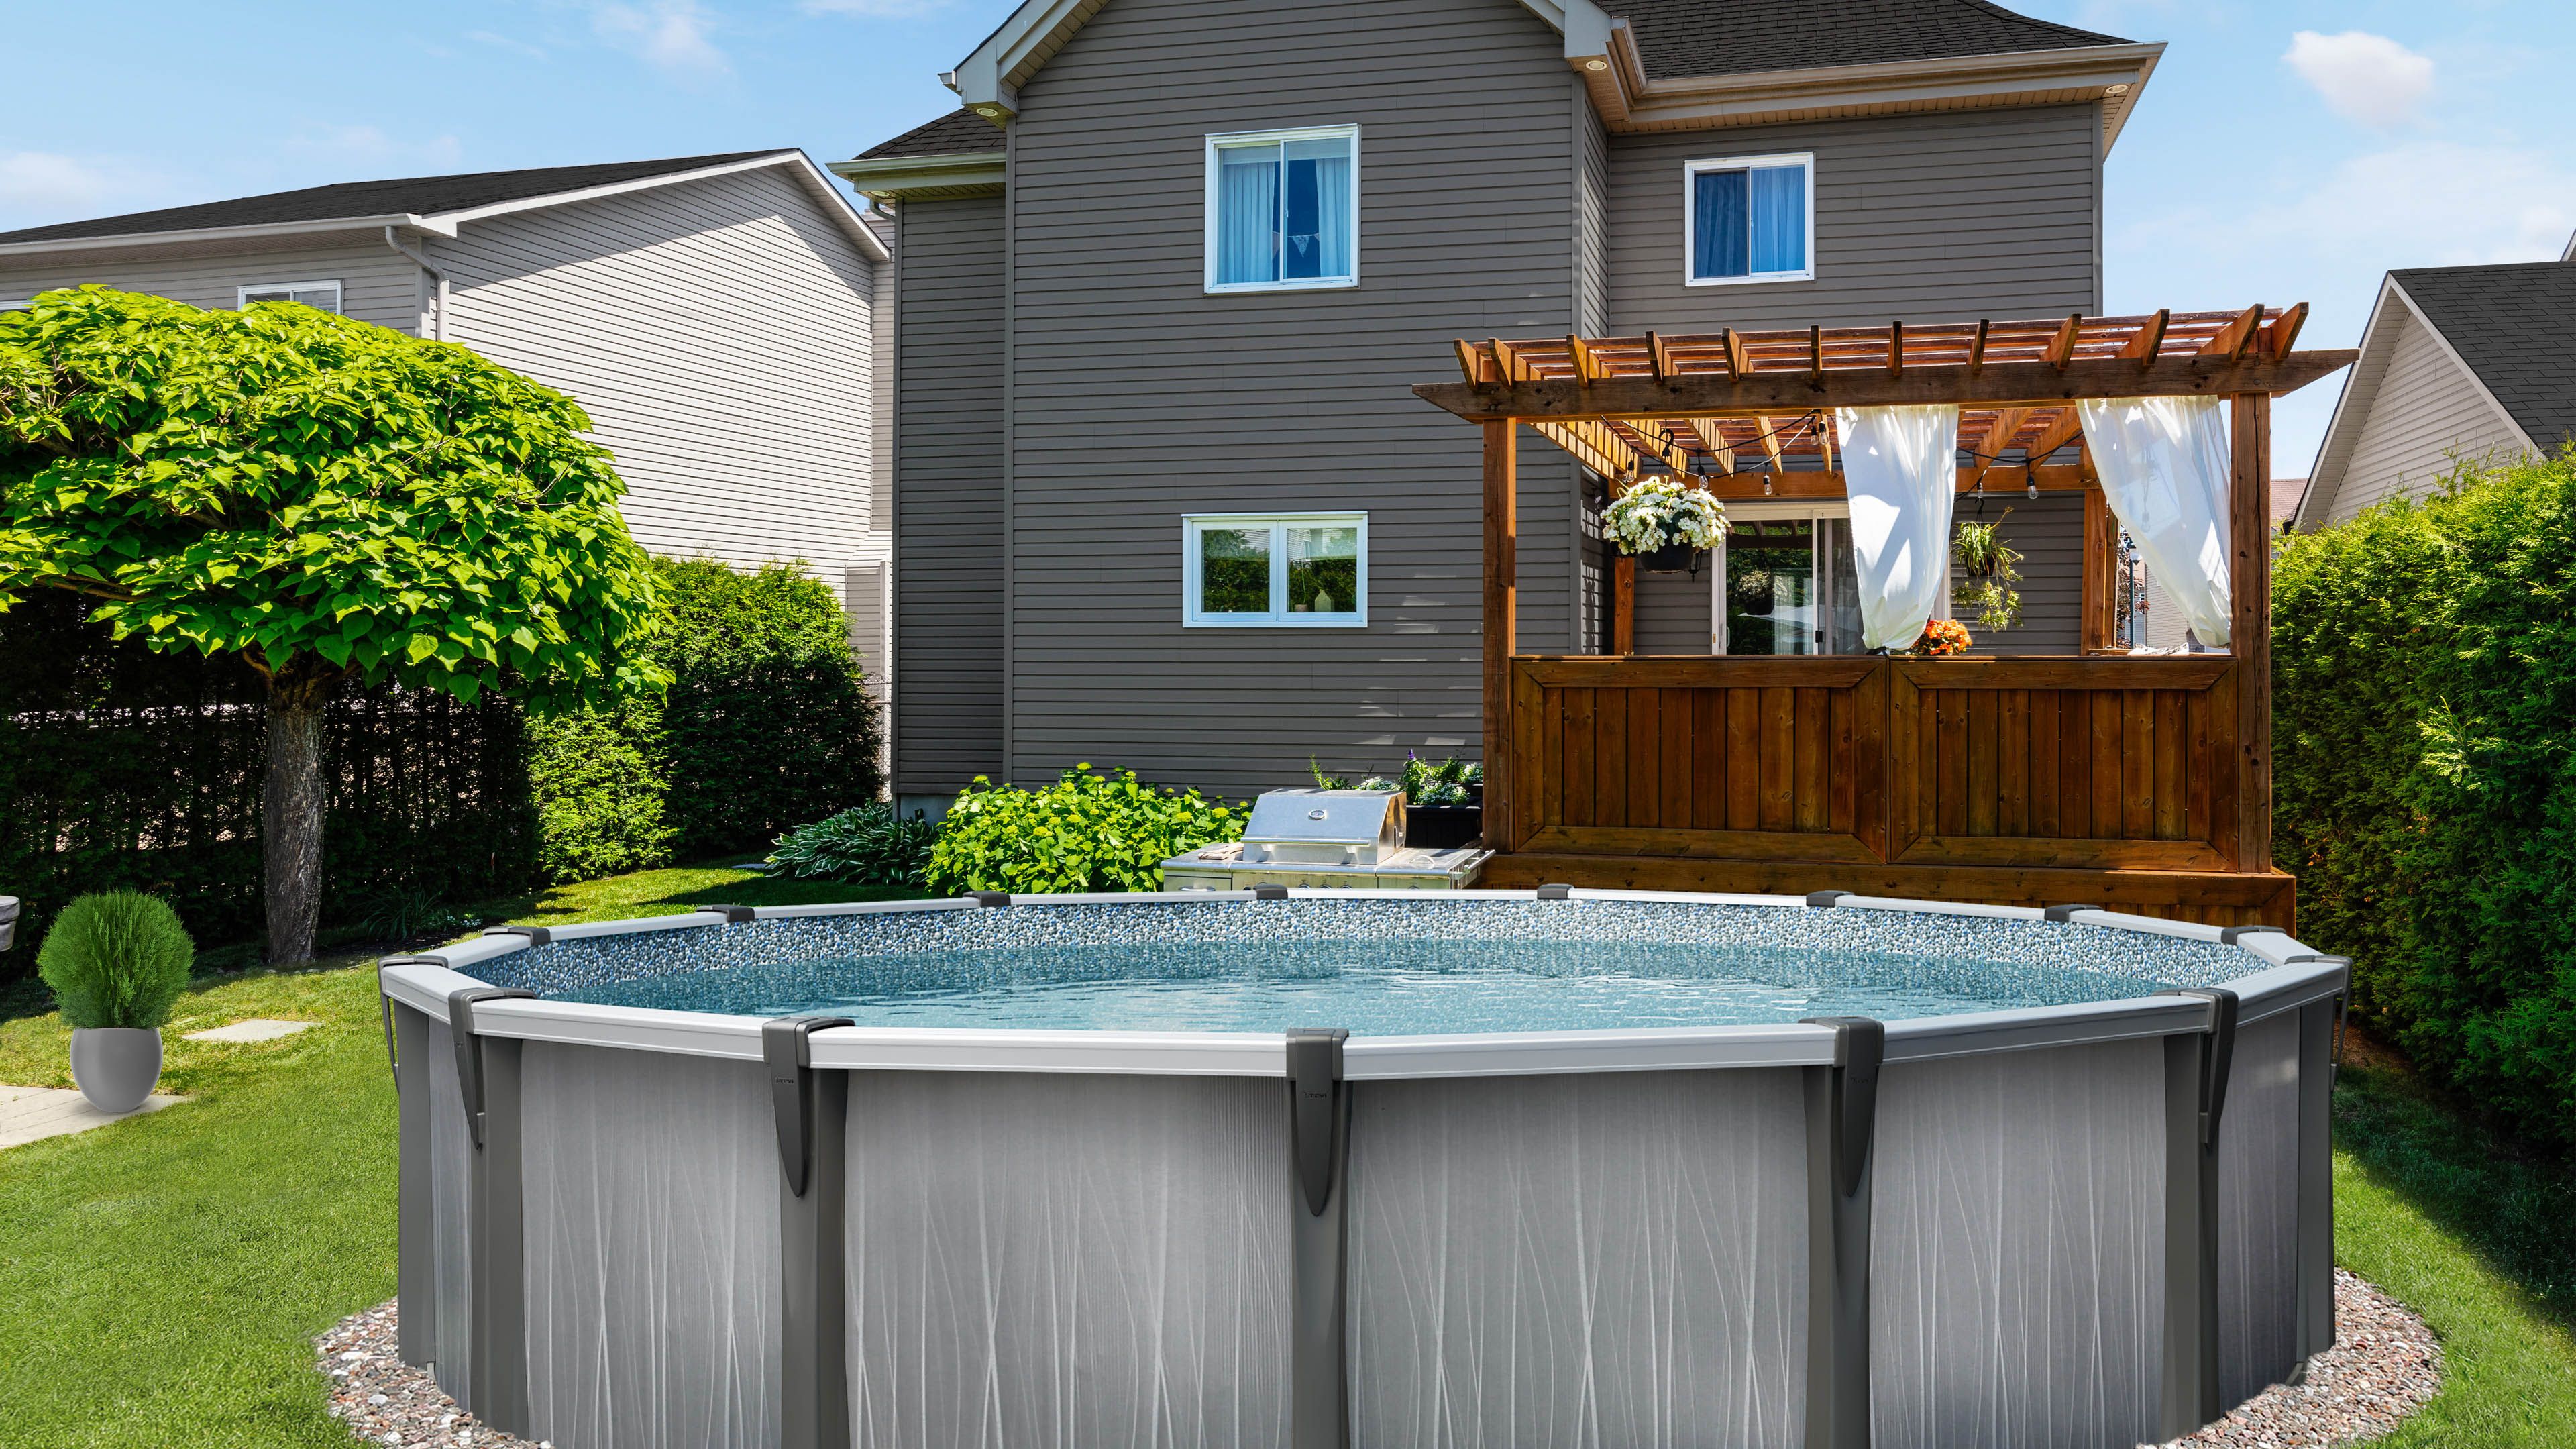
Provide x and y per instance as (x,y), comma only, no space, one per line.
(256,1028)
(32,1114)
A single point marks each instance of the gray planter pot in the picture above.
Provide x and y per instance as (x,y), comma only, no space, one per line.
(116,1066)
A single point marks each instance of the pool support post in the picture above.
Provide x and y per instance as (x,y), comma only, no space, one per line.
(1319,1148)
(2196,1068)
(487,1077)
(1842,1122)
(812,1112)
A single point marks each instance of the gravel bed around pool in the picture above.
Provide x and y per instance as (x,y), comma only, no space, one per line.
(2384,1366)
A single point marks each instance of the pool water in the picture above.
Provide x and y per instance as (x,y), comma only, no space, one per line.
(1371,987)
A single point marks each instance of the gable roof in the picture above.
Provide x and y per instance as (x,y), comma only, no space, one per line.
(959,133)
(2515,327)
(1732,37)
(433,204)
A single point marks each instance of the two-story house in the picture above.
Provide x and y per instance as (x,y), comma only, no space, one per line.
(715,316)
(1163,497)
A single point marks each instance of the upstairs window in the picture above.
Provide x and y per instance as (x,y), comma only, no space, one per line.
(1283,209)
(1751,219)
(320,296)
(1275,569)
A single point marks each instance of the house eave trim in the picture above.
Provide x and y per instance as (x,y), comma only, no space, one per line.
(897,176)
(833,202)
(199,235)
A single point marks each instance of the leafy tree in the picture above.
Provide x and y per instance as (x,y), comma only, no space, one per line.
(328,500)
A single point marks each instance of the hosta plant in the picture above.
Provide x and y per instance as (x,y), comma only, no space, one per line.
(865,845)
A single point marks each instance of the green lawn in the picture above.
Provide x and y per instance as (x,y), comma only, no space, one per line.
(160,1279)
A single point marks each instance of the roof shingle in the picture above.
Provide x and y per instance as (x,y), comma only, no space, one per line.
(1736,37)
(2515,326)
(418,195)
(959,133)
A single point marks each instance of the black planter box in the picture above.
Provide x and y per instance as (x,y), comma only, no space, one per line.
(1443,827)
(1672,558)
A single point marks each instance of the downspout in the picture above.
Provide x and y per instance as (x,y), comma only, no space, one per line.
(438,279)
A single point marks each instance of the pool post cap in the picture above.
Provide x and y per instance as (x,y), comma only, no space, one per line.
(2228,936)
(734,915)
(1273,892)
(2221,1054)
(1315,1089)
(2063,914)
(384,961)
(1860,1047)
(1555,891)
(537,935)
(1821,899)
(787,1048)
(469,1047)
(989,898)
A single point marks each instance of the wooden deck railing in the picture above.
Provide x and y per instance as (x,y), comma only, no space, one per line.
(2100,764)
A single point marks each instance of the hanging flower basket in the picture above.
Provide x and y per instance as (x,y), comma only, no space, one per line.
(1664,524)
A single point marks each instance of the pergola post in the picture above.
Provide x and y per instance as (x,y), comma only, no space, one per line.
(2249,592)
(1502,607)
(2101,581)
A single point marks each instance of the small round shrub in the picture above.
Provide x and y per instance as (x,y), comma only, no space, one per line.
(1085,832)
(864,845)
(118,958)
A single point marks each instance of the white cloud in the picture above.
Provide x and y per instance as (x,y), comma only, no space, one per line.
(371,146)
(2363,77)
(675,35)
(38,188)
(879,9)
(502,42)
(2428,204)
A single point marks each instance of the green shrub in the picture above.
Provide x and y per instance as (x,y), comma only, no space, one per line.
(598,782)
(2424,693)
(118,958)
(1085,832)
(864,845)
(768,723)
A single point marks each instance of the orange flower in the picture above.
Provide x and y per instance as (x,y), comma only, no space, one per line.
(1943,636)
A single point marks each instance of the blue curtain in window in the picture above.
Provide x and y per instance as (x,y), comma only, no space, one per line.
(1779,218)
(1333,212)
(1247,218)
(1718,228)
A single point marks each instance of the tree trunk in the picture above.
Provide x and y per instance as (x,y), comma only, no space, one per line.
(290,811)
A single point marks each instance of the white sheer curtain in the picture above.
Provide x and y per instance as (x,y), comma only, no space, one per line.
(2165,466)
(1901,464)
(1247,233)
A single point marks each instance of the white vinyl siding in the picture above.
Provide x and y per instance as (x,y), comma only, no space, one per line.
(376,285)
(2426,416)
(719,334)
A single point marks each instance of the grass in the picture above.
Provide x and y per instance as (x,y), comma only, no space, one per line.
(161,1279)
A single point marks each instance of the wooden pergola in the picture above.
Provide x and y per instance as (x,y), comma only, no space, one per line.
(2143,783)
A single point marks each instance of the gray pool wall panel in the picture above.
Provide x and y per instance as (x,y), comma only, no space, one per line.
(2017,1248)
(1075,1260)
(1591,1259)
(2258,1210)
(652,1249)
(451,1154)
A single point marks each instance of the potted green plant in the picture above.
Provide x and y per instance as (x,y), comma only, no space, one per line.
(1986,574)
(116,962)
(1663,524)
(1443,802)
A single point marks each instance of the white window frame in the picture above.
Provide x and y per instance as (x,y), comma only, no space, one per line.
(1690,218)
(1760,510)
(241,294)
(1219,140)
(1192,524)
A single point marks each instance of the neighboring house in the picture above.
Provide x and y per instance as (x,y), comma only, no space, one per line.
(715,316)
(1164,497)
(2459,364)
(2164,626)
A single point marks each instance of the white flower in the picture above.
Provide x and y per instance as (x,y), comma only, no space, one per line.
(1659,512)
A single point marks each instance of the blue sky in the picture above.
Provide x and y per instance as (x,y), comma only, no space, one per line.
(2283,151)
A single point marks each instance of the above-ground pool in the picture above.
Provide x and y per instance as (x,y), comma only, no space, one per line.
(1324,1168)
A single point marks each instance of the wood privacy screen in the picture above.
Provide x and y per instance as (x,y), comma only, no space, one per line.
(2091,763)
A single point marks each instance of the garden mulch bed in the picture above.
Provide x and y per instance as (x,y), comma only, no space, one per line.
(2383,1367)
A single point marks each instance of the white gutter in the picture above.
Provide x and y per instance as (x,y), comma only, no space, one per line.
(438,288)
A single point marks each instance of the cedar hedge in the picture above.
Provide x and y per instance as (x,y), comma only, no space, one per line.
(2424,697)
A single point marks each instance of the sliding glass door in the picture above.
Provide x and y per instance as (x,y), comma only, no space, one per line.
(1784,582)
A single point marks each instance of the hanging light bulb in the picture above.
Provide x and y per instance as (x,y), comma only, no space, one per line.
(2032,490)
(1766,485)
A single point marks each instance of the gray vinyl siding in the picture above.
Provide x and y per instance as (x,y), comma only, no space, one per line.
(719,335)
(2427,415)
(376,284)
(1673,611)
(1138,398)
(1929,217)
(948,495)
